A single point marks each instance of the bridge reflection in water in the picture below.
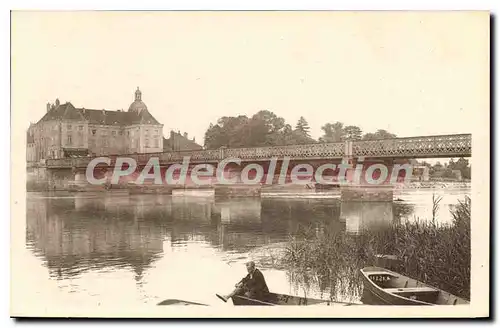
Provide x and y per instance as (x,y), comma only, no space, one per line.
(78,233)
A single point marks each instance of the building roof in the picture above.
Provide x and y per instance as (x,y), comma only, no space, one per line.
(98,116)
(137,106)
(178,142)
(65,111)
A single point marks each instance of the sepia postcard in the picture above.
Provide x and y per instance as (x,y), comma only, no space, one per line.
(203,164)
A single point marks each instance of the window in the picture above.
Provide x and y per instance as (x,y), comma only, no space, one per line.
(113,133)
(69,139)
(69,126)
(147,143)
(94,131)
(120,132)
(80,127)
(156,143)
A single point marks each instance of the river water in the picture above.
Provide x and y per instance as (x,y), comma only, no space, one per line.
(91,249)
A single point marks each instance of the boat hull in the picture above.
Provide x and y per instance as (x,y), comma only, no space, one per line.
(277,299)
(384,287)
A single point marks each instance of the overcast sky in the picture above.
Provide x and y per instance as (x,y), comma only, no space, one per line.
(409,73)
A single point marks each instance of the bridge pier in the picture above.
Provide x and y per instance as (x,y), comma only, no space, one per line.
(351,193)
(237,190)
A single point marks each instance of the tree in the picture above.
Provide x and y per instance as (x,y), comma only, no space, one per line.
(461,165)
(379,134)
(332,132)
(301,133)
(302,127)
(263,129)
(352,132)
(228,132)
(287,136)
(434,169)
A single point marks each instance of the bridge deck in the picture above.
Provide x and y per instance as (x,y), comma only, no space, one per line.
(457,145)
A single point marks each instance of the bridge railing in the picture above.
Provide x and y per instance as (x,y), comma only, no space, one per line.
(449,145)
(195,156)
(309,151)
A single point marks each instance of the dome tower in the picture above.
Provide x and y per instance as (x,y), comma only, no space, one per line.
(137,106)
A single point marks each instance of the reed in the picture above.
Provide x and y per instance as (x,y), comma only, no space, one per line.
(436,254)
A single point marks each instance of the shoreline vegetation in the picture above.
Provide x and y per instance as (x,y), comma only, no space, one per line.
(434,253)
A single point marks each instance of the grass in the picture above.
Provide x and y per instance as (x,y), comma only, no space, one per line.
(435,254)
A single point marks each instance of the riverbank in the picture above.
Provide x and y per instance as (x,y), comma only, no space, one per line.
(437,184)
(435,254)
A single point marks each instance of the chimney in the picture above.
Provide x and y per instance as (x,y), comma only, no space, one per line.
(172,134)
(57,102)
(194,139)
(48,107)
(185,135)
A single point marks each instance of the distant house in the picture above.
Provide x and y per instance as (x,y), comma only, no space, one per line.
(180,142)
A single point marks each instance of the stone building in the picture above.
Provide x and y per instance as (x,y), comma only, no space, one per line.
(180,142)
(67,131)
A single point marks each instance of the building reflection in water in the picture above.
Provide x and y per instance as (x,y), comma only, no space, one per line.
(82,233)
(85,231)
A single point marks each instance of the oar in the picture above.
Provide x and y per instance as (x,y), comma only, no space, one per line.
(221,297)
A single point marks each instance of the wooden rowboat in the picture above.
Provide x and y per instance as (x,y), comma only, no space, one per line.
(384,287)
(278,299)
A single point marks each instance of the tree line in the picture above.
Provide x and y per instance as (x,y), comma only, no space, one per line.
(447,170)
(267,129)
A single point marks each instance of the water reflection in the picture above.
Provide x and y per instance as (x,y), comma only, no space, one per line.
(83,232)
(78,234)
(360,216)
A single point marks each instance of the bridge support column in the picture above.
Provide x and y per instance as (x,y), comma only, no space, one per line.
(352,193)
(237,190)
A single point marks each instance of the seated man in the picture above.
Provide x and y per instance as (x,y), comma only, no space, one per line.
(252,286)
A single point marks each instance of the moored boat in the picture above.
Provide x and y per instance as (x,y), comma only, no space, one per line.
(384,287)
